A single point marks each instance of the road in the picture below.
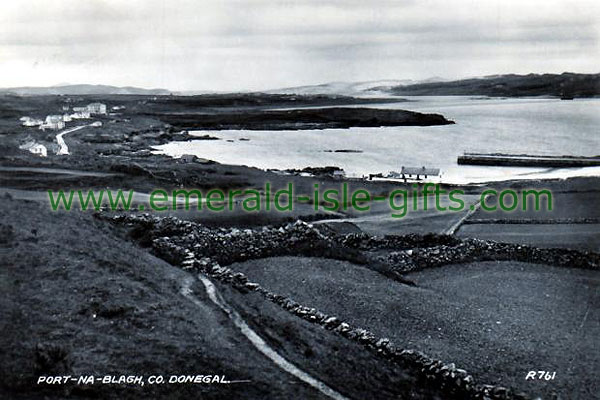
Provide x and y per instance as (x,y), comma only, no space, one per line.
(64,149)
(379,220)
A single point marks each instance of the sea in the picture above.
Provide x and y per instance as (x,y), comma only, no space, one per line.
(541,126)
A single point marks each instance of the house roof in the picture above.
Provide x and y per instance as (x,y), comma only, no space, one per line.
(420,171)
(54,118)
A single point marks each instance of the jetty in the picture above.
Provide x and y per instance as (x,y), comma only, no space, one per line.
(527,160)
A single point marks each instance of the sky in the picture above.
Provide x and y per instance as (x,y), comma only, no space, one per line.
(221,45)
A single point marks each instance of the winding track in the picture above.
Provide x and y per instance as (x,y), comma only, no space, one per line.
(254,338)
(64,149)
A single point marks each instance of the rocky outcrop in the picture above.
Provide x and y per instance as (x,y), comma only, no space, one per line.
(298,119)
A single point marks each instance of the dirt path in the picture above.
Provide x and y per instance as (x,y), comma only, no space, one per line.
(379,220)
(497,320)
(255,339)
(473,208)
(58,171)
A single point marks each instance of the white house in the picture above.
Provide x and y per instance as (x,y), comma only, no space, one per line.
(96,108)
(53,122)
(28,121)
(80,113)
(35,148)
(338,174)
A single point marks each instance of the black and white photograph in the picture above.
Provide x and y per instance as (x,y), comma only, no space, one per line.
(300,199)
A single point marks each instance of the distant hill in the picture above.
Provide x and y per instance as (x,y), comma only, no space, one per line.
(566,84)
(344,88)
(81,90)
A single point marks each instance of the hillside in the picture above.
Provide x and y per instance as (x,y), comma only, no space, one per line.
(81,90)
(565,84)
(356,89)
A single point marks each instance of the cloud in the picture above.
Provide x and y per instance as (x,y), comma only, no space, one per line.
(215,44)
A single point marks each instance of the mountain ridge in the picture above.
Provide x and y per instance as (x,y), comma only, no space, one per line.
(81,89)
(566,85)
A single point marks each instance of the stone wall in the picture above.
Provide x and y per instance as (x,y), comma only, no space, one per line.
(199,249)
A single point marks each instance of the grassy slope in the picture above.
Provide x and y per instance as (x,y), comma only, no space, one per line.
(112,309)
(77,300)
(497,320)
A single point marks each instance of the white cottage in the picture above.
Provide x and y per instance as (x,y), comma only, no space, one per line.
(80,113)
(28,121)
(96,108)
(53,122)
(35,148)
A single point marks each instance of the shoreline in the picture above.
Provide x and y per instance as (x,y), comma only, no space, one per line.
(83,281)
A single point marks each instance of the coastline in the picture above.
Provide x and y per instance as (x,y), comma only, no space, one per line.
(124,286)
